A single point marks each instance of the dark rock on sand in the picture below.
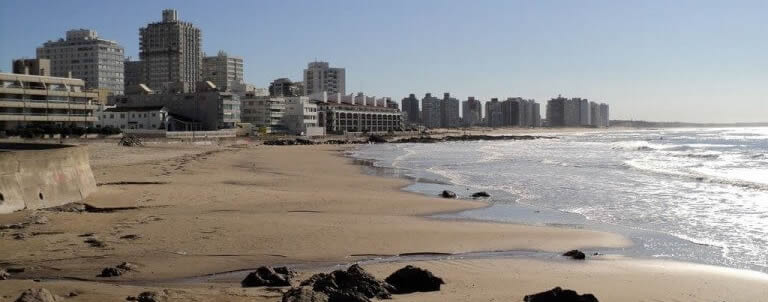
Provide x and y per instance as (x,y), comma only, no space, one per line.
(354,284)
(125,266)
(413,279)
(575,254)
(448,194)
(376,139)
(93,242)
(110,272)
(304,294)
(268,276)
(4,275)
(151,297)
(558,294)
(38,295)
(480,194)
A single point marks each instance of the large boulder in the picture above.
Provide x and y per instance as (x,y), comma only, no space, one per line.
(38,295)
(448,194)
(558,294)
(575,254)
(411,279)
(268,276)
(110,272)
(304,294)
(354,284)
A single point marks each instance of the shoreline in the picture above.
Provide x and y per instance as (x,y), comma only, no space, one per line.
(374,208)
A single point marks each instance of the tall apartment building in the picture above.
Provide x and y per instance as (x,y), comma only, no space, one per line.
(83,55)
(319,77)
(41,100)
(604,114)
(171,54)
(41,67)
(223,70)
(573,112)
(471,111)
(449,112)
(513,112)
(556,112)
(431,111)
(411,109)
(494,115)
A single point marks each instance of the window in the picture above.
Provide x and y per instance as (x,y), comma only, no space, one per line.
(122,115)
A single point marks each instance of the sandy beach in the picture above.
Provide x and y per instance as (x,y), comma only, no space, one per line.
(212,208)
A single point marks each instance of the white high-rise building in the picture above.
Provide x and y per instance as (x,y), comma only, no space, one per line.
(319,77)
(83,55)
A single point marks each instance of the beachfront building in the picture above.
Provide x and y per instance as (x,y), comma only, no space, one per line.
(149,118)
(205,109)
(171,54)
(604,115)
(494,116)
(471,111)
(83,55)
(575,112)
(40,67)
(340,115)
(449,112)
(411,109)
(265,113)
(27,100)
(223,70)
(320,77)
(431,110)
(513,112)
(302,117)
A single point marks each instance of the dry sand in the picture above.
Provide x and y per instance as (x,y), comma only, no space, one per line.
(217,208)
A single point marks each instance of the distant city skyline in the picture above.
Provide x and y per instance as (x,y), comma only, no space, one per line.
(690,61)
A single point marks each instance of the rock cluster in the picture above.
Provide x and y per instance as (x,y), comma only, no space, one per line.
(117,270)
(38,295)
(269,276)
(575,254)
(558,294)
(413,279)
(357,285)
(447,194)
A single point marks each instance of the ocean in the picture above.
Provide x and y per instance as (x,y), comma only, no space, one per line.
(697,195)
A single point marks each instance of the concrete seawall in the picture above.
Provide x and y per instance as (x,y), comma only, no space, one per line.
(34,176)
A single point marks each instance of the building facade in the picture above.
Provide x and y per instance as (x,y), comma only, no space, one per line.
(266,113)
(40,67)
(494,115)
(28,100)
(285,87)
(340,118)
(449,112)
(149,118)
(207,109)
(302,117)
(223,70)
(411,109)
(319,77)
(133,75)
(83,55)
(171,54)
(431,111)
(471,111)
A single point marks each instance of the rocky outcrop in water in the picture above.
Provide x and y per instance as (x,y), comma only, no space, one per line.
(447,194)
(269,276)
(429,139)
(558,294)
(575,254)
(413,279)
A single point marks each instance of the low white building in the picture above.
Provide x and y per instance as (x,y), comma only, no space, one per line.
(150,118)
(301,117)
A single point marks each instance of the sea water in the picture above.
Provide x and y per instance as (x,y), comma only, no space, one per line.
(686,194)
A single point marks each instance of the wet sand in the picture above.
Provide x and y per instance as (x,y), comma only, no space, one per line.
(206,209)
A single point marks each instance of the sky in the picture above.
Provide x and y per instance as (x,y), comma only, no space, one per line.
(659,60)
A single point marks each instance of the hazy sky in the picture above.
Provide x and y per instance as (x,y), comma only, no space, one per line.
(698,61)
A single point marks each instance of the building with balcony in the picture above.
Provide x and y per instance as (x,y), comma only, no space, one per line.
(471,111)
(83,55)
(39,100)
(343,117)
(171,54)
(265,113)
(431,111)
(449,112)
(320,77)
(41,67)
(224,70)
